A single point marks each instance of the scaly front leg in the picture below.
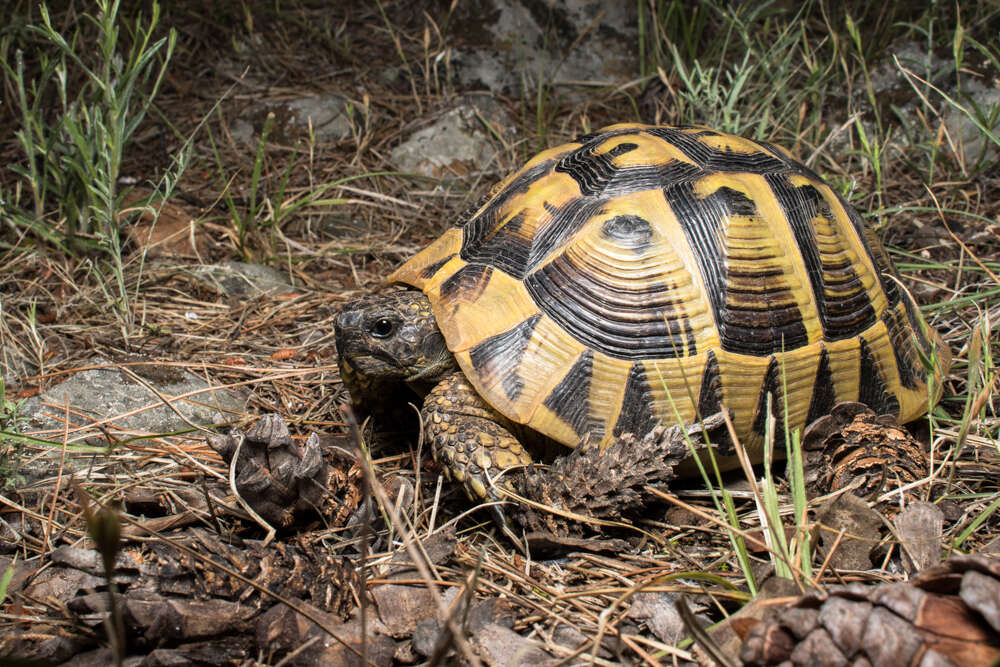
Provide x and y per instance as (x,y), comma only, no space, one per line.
(470,439)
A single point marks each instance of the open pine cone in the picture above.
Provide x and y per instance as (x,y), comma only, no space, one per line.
(947,615)
(853,445)
(607,484)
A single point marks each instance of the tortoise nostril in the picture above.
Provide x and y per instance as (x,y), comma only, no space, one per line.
(347,320)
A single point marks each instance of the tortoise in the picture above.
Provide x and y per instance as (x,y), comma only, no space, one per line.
(634,277)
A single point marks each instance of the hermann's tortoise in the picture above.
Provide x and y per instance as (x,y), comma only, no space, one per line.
(641,275)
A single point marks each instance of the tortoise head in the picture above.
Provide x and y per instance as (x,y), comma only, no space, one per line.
(390,339)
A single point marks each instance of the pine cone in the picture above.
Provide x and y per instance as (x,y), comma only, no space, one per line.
(284,480)
(606,484)
(853,442)
(947,615)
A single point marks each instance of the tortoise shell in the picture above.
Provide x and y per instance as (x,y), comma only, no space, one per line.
(646,273)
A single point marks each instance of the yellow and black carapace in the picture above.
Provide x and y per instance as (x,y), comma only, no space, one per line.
(642,275)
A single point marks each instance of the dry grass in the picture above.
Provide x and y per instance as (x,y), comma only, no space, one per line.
(280,349)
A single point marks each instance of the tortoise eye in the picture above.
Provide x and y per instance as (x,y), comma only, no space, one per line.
(383,327)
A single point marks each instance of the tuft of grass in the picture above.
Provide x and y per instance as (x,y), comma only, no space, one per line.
(271,203)
(743,68)
(10,448)
(722,499)
(790,560)
(79,111)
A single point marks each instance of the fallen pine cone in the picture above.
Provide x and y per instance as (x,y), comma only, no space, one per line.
(948,615)
(284,480)
(607,484)
(854,446)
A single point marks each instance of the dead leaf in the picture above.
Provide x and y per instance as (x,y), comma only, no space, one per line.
(500,646)
(165,229)
(401,607)
(861,528)
(659,611)
(920,526)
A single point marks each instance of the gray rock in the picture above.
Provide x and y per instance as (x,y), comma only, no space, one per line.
(556,42)
(972,148)
(458,143)
(242,130)
(659,610)
(239,278)
(330,114)
(887,78)
(110,394)
(893,86)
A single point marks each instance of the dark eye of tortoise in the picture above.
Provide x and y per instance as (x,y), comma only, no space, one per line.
(383,327)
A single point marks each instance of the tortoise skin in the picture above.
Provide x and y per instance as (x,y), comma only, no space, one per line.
(473,443)
(648,274)
(390,349)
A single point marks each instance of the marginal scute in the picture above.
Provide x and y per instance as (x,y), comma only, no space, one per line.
(414,272)
(643,274)
(636,415)
(902,342)
(873,391)
(710,393)
(771,395)
(885,271)
(824,394)
(570,400)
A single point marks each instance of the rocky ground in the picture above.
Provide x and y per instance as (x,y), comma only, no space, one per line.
(328,144)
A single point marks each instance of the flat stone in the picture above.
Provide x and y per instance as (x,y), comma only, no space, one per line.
(458,143)
(557,42)
(330,116)
(240,278)
(100,394)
